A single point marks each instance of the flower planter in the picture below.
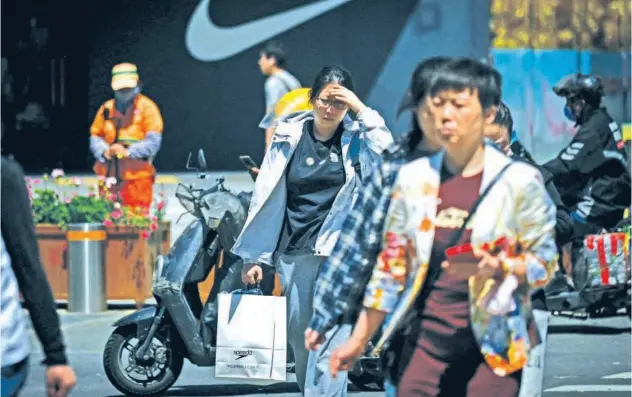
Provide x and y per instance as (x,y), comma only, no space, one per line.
(53,250)
(129,260)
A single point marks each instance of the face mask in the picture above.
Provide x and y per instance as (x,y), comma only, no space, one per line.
(125,97)
(568,112)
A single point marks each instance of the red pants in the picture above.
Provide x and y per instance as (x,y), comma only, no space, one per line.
(429,376)
(137,193)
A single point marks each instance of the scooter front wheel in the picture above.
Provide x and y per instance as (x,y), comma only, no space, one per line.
(132,377)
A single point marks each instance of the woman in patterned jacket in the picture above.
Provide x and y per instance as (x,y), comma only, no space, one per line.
(464,307)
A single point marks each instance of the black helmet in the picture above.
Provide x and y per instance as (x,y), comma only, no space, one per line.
(585,86)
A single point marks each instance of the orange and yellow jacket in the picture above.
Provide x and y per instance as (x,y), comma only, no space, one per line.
(140,131)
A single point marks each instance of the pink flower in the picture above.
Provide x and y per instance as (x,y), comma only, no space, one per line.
(76,181)
(145,234)
(108,222)
(91,194)
(67,200)
(154,218)
(57,173)
(36,181)
(160,206)
(28,179)
(153,227)
(116,214)
(111,197)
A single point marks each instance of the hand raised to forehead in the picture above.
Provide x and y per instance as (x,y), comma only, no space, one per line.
(347,97)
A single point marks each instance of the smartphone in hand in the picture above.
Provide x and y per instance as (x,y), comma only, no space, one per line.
(251,166)
(248,162)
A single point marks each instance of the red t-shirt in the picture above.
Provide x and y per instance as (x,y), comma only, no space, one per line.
(444,329)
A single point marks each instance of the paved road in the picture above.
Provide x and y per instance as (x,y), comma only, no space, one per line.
(590,357)
(86,335)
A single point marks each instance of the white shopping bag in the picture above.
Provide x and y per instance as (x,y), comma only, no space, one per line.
(251,337)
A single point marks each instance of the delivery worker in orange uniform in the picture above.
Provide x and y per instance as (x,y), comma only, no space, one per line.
(124,138)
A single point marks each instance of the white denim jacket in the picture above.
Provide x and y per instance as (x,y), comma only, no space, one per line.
(363,141)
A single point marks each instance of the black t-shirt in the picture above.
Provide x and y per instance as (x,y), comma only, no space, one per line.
(315,174)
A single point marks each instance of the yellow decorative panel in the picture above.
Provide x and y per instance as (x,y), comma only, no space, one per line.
(558,24)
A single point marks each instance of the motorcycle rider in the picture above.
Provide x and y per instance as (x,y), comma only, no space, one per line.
(591,172)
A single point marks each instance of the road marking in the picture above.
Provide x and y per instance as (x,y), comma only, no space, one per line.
(588,388)
(622,375)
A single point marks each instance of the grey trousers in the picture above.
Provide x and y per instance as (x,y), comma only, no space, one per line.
(297,274)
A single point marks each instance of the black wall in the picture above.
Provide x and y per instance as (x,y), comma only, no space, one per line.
(217,105)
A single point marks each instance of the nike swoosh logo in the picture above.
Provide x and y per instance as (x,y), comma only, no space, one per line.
(208,42)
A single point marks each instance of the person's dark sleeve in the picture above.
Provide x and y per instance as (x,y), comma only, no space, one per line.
(581,156)
(18,232)
(564,222)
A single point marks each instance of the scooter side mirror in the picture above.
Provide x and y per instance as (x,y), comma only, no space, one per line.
(202,161)
(189,166)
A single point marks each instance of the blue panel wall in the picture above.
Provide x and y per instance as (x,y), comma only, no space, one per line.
(528,78)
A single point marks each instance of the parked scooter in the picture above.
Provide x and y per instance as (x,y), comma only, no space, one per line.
(602,280)
(145,353)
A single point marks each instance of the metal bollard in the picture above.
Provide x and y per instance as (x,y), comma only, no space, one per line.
(86,271)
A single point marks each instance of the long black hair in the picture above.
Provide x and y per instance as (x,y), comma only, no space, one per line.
(331,75)
(420,79)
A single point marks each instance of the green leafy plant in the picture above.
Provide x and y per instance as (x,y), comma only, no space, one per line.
(88,209)
(48,208)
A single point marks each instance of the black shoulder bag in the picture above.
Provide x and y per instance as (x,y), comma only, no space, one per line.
(398,353)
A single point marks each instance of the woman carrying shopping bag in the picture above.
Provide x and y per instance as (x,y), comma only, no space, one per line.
(469,234)
(306,185)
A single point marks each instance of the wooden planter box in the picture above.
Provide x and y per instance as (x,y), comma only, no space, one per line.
(53,250)
(129,260)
